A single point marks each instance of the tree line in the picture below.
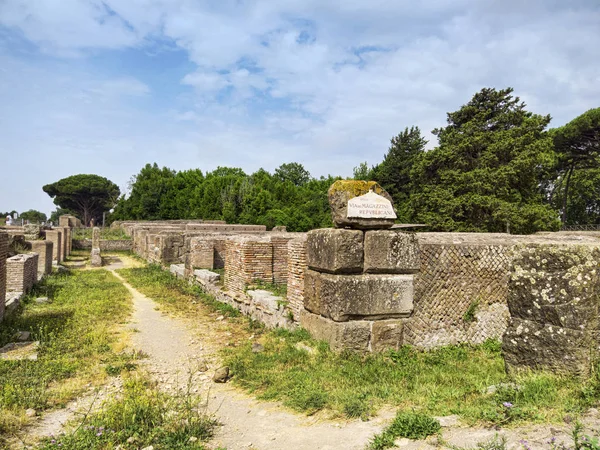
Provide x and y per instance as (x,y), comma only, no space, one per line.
(496,167)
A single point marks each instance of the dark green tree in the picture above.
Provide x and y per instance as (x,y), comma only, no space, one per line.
(34,216)
(487,171)
(394,172)
(578,147)
(89,195)
(295,173)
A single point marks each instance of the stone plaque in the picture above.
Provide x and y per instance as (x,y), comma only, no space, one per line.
(370,206)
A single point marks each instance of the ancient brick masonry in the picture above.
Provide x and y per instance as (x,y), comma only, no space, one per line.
(453,279)
(55,237)
(249,259)
(21,272)
(296,270)
(44,250)
(3,254)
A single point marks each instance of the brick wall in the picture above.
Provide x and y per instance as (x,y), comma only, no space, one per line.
(3,254)
(202,253)
(44,251)
(55,237)
(248,259)
(296,268)
(21,272)
(105,244)
(280,256)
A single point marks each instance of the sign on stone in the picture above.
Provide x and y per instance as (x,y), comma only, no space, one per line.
(370,206)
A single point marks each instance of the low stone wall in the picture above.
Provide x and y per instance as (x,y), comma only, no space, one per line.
(21,272)
(3,255)
(248,260)
(106,245)
(55,237)
(44,251)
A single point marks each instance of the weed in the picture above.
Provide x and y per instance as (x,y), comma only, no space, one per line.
(141,416)
(469,315)
(406,424)
(280,290)
(105,233)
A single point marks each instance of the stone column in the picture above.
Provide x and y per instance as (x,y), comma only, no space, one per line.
(66,241)
(44,249)
(96,256)
(3,254)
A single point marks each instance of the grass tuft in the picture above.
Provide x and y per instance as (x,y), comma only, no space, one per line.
(408,425)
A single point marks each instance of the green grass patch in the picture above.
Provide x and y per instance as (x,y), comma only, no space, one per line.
(166,289)
(449,380)
(141,416)
(78,337)
(280,290)
(408,425)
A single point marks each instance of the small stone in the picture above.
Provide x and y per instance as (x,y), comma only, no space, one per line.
(305,348)
(193,439)
(30,412)
(22,336)
(131,440)
(448,421)
(221,375)
(202,366)
(257,348)
(220,318)
(42,300)
(402,442)
(150,447)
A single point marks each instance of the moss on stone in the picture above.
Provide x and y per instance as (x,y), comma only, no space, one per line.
(355,188)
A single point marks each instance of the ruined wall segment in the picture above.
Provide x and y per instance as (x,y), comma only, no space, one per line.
(96,255)
(44,250)
(3,256)
(296,271)
(249,259)
(21,272)
(55,236)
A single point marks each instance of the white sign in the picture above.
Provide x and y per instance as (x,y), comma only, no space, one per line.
(370,206)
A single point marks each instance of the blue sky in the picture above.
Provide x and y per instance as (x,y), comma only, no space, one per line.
(91,86)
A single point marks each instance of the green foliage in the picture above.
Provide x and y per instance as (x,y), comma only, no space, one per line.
(578,178)
(33,216)
(89,195)
(141,416)
(105,233)
(76,334)
(289,197)
(487,171)
(394,172)
(362,172)
(469,315)
(406,424)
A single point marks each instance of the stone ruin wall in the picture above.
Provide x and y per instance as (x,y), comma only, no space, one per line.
(296,268)
(44,250)
(21,272)
(106,245)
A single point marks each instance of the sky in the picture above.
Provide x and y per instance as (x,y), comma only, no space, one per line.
(104,87)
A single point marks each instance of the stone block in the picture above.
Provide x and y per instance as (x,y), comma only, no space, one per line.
(342,191)
(351,297)
(340,336)
(387,334)
(96,258)
(178,270)
(391,251)
(335,250)
(531,345)
(207,275)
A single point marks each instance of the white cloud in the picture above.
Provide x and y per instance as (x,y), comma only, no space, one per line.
(326,83)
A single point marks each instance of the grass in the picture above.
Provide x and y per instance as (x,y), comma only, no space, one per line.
(408,425)
(450,380)
(105,233)
(280,290)
(141,416)
(78,338)
(173,293)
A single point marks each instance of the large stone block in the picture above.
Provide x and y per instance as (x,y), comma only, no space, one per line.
(342,191)
(390,251)
(335,250)
(387,334)
(532,345)
(351,297)
(340,336)
(556,285)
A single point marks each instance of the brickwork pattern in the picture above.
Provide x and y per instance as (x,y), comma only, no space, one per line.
(21,272)
(280,257)
(3,255)
(55,237)
(452,279)
(296,268)
(202,253)
(247,260)
(44,251)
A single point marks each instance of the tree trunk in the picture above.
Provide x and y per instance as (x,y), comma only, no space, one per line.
(566,196)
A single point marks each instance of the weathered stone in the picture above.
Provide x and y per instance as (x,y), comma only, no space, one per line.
(448,421)
(177,269)
(532,345)
(340,336)
(257,348)
(22,336)
(335,250)
(342,191)
(42,300)
(390,251)
(387,334)
(265,300)
(207,276)
(350,297)
(221,375)
(96,258)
